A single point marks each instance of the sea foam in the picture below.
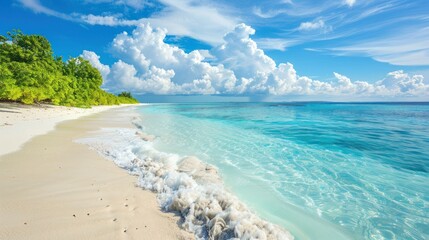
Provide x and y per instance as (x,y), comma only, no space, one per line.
(184,185)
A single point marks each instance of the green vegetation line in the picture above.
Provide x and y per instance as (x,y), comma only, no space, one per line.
(29,73)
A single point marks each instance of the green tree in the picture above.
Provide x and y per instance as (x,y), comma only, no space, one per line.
(30,73)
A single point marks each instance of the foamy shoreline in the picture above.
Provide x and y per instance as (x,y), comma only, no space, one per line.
(53,188)
(184,185)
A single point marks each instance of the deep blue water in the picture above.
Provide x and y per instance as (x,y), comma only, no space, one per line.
(317,169)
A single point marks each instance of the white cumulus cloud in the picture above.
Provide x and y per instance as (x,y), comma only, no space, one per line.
(237,66)
(399,82)
(94,59)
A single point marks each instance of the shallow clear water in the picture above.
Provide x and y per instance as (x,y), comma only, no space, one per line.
(319,169)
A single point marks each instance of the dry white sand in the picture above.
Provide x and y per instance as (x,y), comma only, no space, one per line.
(53,188)
(24,121)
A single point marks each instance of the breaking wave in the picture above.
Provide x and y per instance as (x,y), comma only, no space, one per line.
(185,185)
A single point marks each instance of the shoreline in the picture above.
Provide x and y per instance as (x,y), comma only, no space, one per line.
(53,187)
(184,185)
(181,178)
(24,122)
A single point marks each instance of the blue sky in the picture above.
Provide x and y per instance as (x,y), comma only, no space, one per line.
(282,49)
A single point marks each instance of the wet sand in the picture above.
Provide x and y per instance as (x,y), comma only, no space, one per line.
(54,188)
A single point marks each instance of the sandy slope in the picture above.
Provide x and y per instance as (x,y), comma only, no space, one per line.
(54,188)
(22,122)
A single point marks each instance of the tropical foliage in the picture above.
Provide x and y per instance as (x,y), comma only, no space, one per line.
(30,73)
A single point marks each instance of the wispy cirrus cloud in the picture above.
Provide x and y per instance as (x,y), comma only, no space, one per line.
(180,17)
(350,3)
(381,30)
(294,9)
(203,21)
(91,19)
(315,25)
(267,13)
(394,49)
(377,29)
(107,20)
(37,7)
(135,4)
(275,43)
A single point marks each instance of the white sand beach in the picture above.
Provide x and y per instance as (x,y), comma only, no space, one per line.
(54,188)
(22,122)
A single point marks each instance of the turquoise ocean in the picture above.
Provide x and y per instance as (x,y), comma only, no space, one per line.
(318,170)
